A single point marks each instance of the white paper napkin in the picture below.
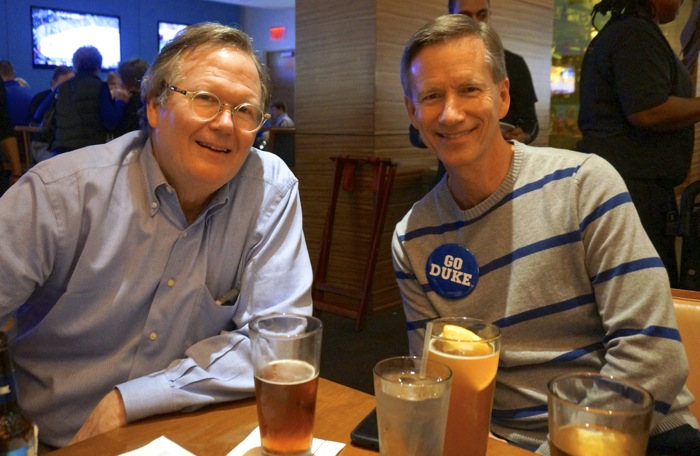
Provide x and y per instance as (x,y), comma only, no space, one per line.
(161,446)
(251,446)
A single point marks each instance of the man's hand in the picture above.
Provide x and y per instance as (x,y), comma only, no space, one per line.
(518,134)
(108,414)
(120,94)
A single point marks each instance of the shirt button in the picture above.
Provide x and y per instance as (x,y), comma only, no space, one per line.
(153,336)
(171,283)
(154,205)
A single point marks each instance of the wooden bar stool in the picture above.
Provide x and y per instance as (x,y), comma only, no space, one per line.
(24,132)
(344,177)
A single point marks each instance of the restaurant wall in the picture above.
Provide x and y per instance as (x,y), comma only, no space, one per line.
(257,23)
(139,19)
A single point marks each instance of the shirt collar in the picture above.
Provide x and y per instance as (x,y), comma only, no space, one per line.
(153,175)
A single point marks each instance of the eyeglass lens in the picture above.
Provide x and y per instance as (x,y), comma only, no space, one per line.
(206,106)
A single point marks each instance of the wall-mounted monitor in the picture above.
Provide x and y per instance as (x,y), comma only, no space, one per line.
(167,31)
(58,33)
(562,80)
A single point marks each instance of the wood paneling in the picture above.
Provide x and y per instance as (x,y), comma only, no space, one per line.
(349,101)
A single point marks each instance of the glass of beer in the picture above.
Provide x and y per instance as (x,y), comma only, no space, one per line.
(411,407)
(286,353)
(591,413)
(471,348)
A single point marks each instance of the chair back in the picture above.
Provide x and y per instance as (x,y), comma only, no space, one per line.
(687,305)
(282,144)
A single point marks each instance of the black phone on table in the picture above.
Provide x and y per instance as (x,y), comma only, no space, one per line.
(366,433)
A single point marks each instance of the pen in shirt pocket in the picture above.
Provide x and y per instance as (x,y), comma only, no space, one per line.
(228,298)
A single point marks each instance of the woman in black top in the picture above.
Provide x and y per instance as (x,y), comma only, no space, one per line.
(637,111)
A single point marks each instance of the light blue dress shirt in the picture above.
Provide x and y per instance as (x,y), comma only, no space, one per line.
(110,287)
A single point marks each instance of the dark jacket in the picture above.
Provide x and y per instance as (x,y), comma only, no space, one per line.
(78,113)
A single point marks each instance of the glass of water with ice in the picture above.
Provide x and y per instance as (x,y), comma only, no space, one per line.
(411,408)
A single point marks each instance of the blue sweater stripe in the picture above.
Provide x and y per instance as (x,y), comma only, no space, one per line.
(545,244)
(549,178)
(652,331)
(544,311)
(404,276)
(539,246)
(453,226)
(625,268)
(609,205)
(514,414)
(524,316)
(577,353)
(662,407)
(417,324)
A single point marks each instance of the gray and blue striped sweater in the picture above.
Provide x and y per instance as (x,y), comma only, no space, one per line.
(568,274)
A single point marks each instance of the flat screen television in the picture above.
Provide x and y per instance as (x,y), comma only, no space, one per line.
(58,33)
(562,80)
(167,31)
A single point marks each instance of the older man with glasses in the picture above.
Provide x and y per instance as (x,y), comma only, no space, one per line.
(132,269)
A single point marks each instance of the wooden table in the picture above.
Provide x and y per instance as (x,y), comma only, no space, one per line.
(218,429)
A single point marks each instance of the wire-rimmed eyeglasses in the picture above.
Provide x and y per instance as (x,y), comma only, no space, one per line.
(206,106)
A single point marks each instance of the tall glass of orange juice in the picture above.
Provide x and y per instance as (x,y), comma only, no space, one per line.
(471,348)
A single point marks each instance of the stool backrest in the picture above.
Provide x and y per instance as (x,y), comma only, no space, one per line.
(687,305)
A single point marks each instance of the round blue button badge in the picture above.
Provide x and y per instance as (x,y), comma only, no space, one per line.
(452,271)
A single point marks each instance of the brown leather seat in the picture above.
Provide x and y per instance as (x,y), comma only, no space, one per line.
(687,304)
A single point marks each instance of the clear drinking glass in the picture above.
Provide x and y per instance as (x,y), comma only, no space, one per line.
(286,352)
(411,409)
(591,413)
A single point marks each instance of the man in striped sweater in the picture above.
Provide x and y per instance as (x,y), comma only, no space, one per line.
(561,262)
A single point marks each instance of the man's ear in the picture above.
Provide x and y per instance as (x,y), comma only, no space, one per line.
(153,112)
(410,109)
(504,96)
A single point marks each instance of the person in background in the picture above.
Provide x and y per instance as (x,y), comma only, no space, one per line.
(18,96)
(9,148)
(132,269)
(545,243)
(40,142)
(131,73)
(60,75)
(640,117)
(85,111)
(279,116)
(278,119)
(114,82)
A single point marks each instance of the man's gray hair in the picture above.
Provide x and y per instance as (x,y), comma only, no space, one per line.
(166,68)
(448,28)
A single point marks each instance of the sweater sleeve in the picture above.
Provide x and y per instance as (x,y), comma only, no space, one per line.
(416,305)
(631,287)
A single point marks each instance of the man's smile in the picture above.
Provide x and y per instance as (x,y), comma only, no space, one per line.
(213,147)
